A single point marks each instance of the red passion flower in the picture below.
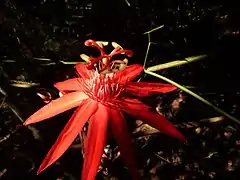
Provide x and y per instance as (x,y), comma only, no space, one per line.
(101,98)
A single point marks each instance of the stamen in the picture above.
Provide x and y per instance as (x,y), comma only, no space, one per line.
(103,62)
(94,44)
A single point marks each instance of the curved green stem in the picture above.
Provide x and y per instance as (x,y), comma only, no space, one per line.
(194,95)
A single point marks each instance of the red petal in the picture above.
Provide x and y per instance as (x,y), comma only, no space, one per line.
(69,133)
(148,89)
(129,73)
(57,106)
(69,85)
(123,138)
(95,142)
(137,109)
(83,71)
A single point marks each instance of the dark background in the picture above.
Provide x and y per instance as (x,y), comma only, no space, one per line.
(56,30)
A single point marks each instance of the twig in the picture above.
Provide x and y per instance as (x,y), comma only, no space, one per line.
(3,102)
(16,113)
(156,154)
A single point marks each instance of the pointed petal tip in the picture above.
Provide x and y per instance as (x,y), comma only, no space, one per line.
(25,124)
(182,138)
(41,169)
(29,121)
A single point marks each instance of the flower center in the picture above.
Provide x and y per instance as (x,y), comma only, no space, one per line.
(104,63)
(103,88)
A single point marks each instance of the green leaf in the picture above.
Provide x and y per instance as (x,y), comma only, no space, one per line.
(23,84)
(176,63)
(65,62)
(42,59)
(8,61)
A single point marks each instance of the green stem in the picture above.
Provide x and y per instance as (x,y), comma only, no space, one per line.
(148,47)
(159,27)
(194,95)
